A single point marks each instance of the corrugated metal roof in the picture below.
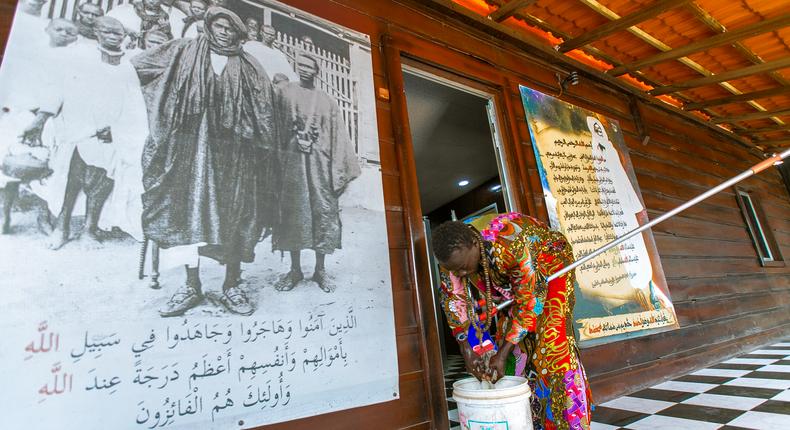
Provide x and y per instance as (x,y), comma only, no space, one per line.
(670,28)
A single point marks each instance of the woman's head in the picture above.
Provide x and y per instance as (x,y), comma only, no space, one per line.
(456,247)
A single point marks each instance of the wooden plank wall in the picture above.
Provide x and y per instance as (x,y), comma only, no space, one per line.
(725,301)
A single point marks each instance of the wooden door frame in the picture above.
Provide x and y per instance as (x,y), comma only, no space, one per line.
(404,48)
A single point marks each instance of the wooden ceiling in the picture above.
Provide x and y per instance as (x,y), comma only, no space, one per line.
(725,61)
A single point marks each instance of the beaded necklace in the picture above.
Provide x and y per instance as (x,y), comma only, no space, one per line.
(481,327)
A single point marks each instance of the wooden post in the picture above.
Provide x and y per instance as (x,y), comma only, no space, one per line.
(433,375)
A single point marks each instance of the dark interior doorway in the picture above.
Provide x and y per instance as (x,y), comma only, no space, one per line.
(458,159)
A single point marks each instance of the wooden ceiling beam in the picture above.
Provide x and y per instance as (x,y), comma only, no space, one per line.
(661,46)
(739,98)
(750,116)
(718,27)
(705,44)
(769,144)
(532,47)
(752,131)
(721,77)
(509,9)
(619,24)
(595,52)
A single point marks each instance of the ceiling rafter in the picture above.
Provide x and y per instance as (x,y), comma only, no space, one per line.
(620,24)
(715,25)
(773,144)
(540,49)
(508,9)
(654,42)
(752,131)
(750,116)
(705,44)
(756,95)
(722,77)
(718,27)
(720,120)
(545,26)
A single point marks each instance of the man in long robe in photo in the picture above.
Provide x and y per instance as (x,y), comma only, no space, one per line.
(40,70)
(18,98)
(317,160)
(205,161)
(26,41)
(96,148)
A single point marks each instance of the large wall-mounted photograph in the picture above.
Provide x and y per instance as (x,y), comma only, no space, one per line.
(593,198)
(193,220)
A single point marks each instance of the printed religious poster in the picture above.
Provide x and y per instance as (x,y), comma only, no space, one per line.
(592,197)
(193,229)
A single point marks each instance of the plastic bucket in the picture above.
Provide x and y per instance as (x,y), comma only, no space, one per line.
(505,407)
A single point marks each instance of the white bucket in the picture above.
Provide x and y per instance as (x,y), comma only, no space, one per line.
(505,407)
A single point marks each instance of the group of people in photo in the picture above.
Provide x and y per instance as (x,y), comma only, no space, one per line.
(177,122)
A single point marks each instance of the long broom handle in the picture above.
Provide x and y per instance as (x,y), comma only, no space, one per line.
(757,168)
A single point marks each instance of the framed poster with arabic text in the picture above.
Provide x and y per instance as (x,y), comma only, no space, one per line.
(592,197)
(195,233)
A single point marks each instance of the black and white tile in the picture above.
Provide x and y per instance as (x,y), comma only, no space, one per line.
(748,392)
(751,391)
(453,371)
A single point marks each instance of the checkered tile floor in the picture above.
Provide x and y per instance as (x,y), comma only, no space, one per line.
(748,392)
(453,371)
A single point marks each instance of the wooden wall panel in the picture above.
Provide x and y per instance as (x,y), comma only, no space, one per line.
(656,202)
(681,226)
(686,247)
(725,300)
(671,186)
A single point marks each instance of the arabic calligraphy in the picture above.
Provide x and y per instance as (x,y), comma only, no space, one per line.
(62,382)
(254,364)
(48,341)
(618,324)
(590,212)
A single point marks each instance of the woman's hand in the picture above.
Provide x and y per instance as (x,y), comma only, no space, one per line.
(496,367)
(474,363)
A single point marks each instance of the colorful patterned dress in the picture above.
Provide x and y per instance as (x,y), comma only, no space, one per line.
(523,252)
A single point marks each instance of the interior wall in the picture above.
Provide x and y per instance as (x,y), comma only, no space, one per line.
(471,202)
(726,301)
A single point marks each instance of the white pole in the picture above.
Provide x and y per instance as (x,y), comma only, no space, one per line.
(757,168)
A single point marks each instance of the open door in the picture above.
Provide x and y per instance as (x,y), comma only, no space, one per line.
(459,164)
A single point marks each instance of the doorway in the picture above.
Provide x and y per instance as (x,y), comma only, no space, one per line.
(459,163)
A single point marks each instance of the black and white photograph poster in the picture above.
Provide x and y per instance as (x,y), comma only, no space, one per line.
(193,229)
